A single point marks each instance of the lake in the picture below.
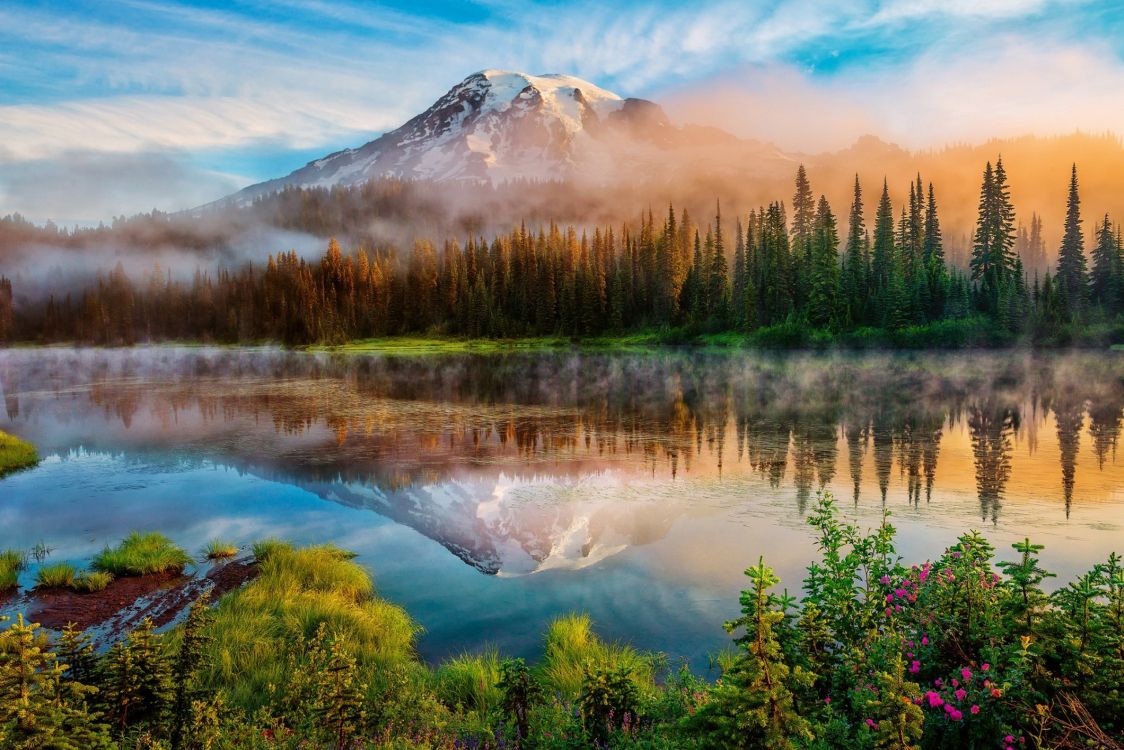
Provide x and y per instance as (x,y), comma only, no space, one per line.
(489,493)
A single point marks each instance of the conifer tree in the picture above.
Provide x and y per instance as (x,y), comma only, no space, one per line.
(854,282)
(824,274)
(1106,261)
(803,227)
(40,709)
(883,256)
(1072,277)
(719,282)
(754,705)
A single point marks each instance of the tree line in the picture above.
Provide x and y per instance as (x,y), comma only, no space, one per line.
(785,265)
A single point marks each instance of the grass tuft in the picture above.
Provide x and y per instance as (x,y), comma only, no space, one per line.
(295,592)
(16,454)
(572,648)
(470,681)
(88,582)
(12,563)
(266,547)
(218,549)
(142,554)
(55,575)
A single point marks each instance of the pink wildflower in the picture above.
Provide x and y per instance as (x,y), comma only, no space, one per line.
(974,709)
(966,674)
(961,694)
(934,699)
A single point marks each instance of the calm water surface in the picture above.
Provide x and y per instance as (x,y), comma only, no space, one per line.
(489,493)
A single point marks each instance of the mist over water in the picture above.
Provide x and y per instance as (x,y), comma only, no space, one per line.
(490,493)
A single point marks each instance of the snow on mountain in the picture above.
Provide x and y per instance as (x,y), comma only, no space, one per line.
(501,525)
(494,125)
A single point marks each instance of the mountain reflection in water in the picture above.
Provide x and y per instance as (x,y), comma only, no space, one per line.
(518,463)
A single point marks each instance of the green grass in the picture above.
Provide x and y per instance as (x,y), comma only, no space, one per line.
(12,563)
(16,454)
(415,345)
(87,582)
(264,548)
(218,549)
(572,648)
(295,592)
(55,575)
(141,554)
(470,681)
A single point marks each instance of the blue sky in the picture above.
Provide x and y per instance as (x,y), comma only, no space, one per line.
(168,104)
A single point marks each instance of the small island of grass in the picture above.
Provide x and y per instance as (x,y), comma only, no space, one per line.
(15,454)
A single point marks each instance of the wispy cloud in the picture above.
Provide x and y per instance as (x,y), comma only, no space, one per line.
(291,75)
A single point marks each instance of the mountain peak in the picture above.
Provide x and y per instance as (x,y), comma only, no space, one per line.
(495,125)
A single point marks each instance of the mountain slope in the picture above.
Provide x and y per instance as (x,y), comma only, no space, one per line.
(494,125)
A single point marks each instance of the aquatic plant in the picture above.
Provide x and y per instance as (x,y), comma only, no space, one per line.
(12,563)
(142,554)
(218,549)
(90,581)
(55,575)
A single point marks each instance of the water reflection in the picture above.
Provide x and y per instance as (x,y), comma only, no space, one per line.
(527,462)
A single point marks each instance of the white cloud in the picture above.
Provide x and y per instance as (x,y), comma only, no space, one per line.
(1009,87)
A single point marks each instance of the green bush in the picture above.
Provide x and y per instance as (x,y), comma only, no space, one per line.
(55,575)
(142,554)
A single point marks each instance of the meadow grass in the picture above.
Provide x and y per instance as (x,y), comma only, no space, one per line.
(12,563)
(16,454)
(90,581)
(416,345)
(55,575)
(296,591)
(141,554)
(470,681)
(219,549)
(572,648)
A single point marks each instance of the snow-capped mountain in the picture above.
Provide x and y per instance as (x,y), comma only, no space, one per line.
(495,125)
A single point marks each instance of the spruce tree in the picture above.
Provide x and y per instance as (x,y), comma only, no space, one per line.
(823,285)
(854,287)
(933,254)
(803,227)
(1106,259)
(1072,277)
(883,255)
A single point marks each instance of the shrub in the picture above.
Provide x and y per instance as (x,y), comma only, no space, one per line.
(88,582)
(142,554)
(55,575)
(12,563)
